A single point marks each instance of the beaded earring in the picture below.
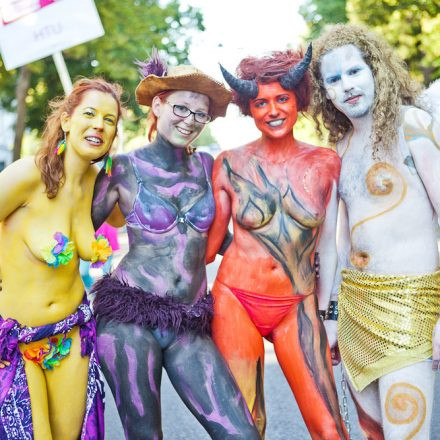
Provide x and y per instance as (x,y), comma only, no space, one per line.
(61,146)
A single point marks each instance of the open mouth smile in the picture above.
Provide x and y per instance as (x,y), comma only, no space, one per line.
(275,122)
(183,131)
(94,140)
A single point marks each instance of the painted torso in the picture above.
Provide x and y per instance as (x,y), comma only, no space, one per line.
(169,206)
(277,209)
(44,294)
(392,223)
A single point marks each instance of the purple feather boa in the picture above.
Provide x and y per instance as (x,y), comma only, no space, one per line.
(123,303)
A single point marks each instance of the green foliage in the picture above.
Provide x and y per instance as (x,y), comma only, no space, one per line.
(132,28)
(409,26)
(318,13)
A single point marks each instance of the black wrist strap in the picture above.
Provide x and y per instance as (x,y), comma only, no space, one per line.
(332,311)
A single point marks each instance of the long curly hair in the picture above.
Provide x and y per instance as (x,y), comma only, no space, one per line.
(269,69)
(48,162)
(393,85)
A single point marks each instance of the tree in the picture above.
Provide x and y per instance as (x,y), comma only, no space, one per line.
(409,26)
(132,28)
(318,13)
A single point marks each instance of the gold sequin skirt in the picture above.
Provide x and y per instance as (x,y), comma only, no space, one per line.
(385,322)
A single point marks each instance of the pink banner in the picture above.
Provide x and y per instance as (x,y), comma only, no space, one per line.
(13,10)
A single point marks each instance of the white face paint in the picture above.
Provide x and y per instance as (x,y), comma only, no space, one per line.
(348,81)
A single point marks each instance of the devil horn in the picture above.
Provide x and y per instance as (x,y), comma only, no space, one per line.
(244,87)
(295,74)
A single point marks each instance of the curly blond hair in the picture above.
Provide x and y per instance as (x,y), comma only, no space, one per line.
(393,85)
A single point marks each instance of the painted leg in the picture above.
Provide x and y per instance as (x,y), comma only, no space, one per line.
(241,345)
(131,360)
(367,405)
(302,351)
(203,381)
(406,400)
(64,381)
(39,401)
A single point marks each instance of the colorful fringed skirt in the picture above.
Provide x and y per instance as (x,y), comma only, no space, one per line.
(15,404)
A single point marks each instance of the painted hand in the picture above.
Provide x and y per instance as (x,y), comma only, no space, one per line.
(436,347)
(331,328)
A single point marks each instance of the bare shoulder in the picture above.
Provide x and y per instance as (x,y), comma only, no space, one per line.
(321,157)
(23,171)
(414,116)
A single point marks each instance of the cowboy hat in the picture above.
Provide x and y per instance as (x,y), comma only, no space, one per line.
(185,77)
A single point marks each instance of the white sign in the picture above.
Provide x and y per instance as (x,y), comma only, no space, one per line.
(34,29)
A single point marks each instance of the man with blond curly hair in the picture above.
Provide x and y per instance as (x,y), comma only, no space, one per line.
(388,278)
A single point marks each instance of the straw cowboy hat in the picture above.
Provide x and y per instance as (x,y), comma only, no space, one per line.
(185,77)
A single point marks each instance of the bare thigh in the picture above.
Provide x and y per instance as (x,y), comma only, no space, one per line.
(205,384)
(241,345)
(406,400)
(67,391)
(39,401)
(367,404)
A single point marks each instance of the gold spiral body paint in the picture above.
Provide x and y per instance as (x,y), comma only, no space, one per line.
(406,404)
(380,182)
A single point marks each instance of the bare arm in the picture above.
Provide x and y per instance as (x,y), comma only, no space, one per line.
(343,247)
(17,182)
(107,193)
(219,227)
(327,251)
(423,138)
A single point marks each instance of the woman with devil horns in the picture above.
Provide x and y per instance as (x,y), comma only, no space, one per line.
(281,195)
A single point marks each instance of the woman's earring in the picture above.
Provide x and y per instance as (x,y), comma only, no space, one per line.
(108,166)
(61,146)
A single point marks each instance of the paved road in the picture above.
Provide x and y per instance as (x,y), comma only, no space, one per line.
(284,418)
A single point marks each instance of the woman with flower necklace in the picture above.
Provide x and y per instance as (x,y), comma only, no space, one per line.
(154,310)
(49,375)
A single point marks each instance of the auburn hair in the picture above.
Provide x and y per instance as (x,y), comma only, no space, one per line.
(48,162)
(269,69)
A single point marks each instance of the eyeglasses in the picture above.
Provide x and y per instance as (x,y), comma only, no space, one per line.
(183,112)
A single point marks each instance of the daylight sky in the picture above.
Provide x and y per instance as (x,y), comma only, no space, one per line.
(235,29)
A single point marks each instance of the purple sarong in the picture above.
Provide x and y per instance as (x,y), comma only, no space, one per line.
(15,404)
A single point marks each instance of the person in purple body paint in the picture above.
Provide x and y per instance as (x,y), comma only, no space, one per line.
(153,311)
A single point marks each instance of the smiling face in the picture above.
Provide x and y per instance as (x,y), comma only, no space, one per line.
(91,128)
(274,110)
(348,81)
(177,130)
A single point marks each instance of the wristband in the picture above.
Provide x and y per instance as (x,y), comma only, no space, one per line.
(322,314)
(332,311)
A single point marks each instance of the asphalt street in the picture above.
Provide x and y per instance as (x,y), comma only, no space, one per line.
(284,419)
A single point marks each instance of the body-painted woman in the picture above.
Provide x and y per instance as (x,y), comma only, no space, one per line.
(47,333)
(281,194)
(154,310)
